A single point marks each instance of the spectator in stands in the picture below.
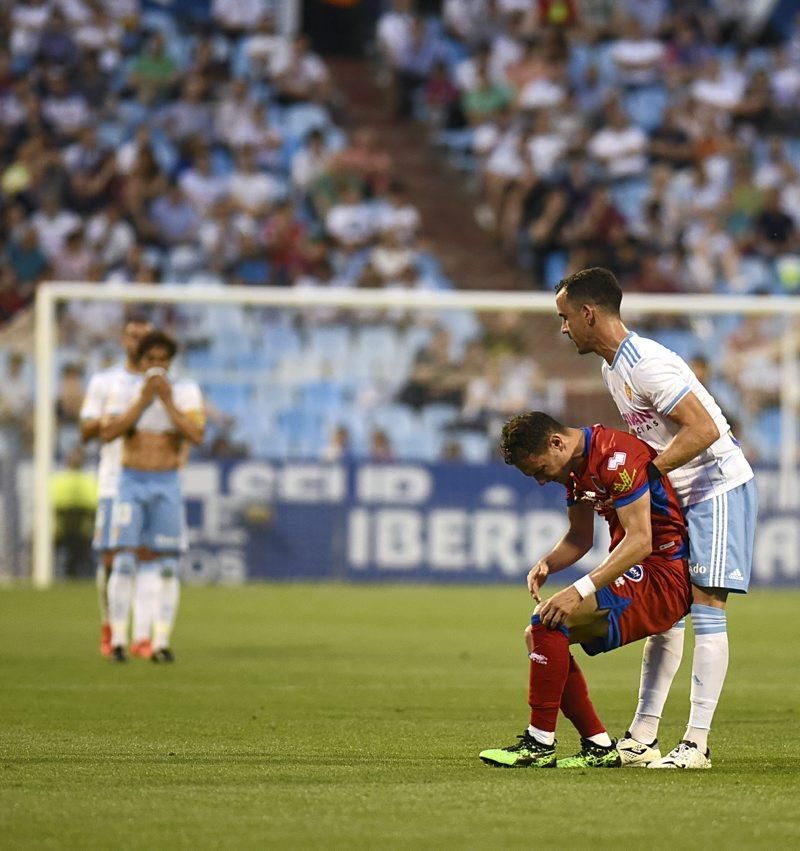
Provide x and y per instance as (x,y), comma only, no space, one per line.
(620,148)
(775,232)
(300,75)
(154,72)
(201,186)
(27,264)
(75,260)
(338,447)
(380,447)
(312,161)
(173,219)
(415,63)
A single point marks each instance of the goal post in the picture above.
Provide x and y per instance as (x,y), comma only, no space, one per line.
(51,294)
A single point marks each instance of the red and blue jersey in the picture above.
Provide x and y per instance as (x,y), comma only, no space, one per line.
(614,474)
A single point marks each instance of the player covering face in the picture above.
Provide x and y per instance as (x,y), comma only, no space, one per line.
(641,588)
(156,418)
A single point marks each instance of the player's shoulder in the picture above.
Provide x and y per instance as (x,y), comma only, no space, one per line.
(184,384)
(610,442)
(645,352)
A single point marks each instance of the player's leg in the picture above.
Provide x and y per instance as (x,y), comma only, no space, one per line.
(721,535)
(145,603)
(127,523)
(661,659)
(554,680)
(166,535)
(101,543)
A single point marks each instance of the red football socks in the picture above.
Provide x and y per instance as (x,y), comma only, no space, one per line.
(577,705)
(549,669)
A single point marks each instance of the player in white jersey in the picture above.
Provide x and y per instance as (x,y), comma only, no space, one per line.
(155,417)
(662,401)
(94,403)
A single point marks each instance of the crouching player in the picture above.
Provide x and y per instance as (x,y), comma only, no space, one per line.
(641,588)
(155,418)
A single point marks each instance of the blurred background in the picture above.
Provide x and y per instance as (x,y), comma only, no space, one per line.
(356,144)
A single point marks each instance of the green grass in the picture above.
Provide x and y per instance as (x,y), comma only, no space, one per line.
(332,716)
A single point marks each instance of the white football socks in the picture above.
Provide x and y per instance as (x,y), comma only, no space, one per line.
(660,662)
(145,605)
(544,737)
(168,597)
(602,739)
(120,593)
(709,668)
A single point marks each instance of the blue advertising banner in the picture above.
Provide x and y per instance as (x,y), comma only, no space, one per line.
(405,522)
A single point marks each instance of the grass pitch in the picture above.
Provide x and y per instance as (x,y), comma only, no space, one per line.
(330,716)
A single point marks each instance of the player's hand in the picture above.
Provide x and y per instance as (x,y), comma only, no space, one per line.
(163,388)
(537,576)
(554,612)
(148,391)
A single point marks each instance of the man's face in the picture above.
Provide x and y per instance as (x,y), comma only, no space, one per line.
(551,465)
(157,356)
(131,336)
(575,320)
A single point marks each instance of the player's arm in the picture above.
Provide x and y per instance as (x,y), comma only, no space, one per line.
(189,423)
(573,546)
(91,411)
(632,549)
(634,517)
(113,426)
(697,432)
(90,429)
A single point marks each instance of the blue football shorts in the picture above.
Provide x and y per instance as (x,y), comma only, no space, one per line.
(148,511)
(721,538)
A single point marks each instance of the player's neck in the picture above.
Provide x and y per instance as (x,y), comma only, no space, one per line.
(610,340)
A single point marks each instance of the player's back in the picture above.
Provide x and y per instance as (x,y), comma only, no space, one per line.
(614,475)
(647,381)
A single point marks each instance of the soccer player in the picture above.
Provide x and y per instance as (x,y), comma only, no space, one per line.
(94,403)
(661,400)
(641,588)
(155,418)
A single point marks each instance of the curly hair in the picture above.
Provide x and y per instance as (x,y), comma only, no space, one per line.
(527,434)
(153,339)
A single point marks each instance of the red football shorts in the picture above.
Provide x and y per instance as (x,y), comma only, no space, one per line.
(647,599)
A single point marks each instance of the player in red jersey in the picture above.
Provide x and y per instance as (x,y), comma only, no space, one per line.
(641,588)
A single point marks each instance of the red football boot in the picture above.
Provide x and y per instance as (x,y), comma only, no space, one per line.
(143,649)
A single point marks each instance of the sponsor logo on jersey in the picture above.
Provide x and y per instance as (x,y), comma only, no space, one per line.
(617,460)
(635,573)
(698,569)
(538,658)
(625,480)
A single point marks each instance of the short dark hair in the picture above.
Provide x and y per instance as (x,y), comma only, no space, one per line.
(153,339)
(593,286)
(527,434)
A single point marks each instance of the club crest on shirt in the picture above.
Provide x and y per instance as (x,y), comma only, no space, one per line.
(629,391)
(625,480)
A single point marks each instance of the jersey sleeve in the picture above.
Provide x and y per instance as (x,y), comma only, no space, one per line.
(189,400)
(622,468)
(94,400)
(660,383)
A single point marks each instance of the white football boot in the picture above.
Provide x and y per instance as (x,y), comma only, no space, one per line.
(684,755)
(636,754)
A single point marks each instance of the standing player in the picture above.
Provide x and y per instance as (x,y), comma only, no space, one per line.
(641,588)
(155,418)
(94,403)
(662,402)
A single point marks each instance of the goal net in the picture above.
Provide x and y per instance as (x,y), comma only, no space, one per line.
(353,434)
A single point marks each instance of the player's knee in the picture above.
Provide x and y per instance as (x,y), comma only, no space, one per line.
(124,563)
(716,597)
(169,567)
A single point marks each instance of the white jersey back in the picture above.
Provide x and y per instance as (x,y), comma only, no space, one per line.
(185,394)
(95,405)
(646,381)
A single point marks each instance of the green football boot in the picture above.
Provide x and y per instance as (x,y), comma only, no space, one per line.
(593,756)
(526,753)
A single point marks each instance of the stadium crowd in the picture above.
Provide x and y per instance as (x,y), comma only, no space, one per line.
(142,145)
(658,138)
